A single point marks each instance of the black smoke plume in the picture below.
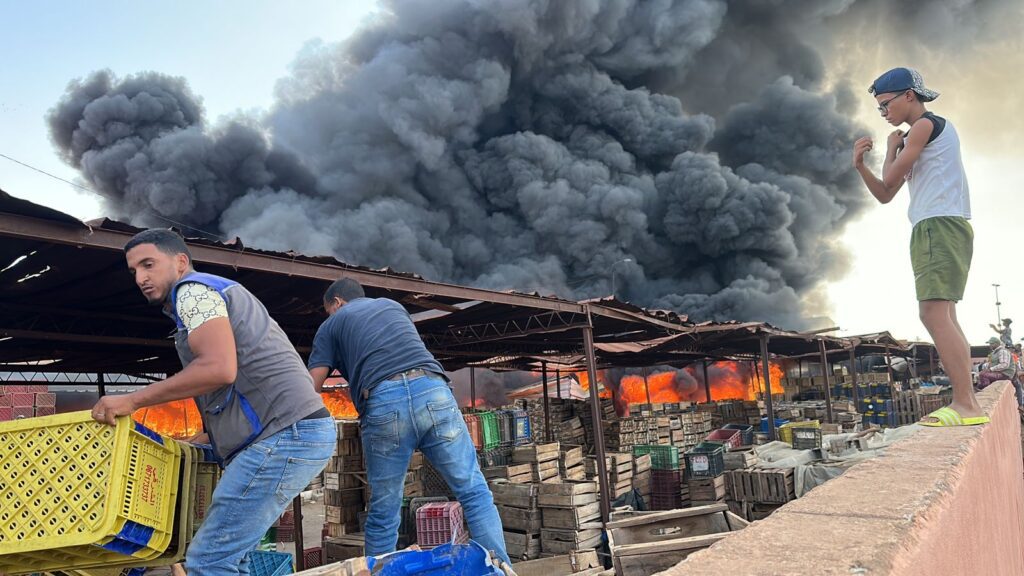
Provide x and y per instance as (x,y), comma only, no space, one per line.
(533,145)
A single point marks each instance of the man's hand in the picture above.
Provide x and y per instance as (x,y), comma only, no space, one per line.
(110,407)
(896,141)
(859,149)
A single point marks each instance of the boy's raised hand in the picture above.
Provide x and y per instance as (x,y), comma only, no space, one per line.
(860,147)
(896,140)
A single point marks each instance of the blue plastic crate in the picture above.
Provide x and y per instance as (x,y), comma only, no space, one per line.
(262,563)
(746,431)
(468,558)
(523,431)
(778,422)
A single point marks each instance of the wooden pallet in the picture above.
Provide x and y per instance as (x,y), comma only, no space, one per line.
(907,407)
(761,485)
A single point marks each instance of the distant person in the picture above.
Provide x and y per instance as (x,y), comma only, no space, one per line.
(1018,386)
(404,403)
(269,430)
(1005,333)
(927,158)
(999,366)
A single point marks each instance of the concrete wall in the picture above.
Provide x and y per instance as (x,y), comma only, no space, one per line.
(946,501)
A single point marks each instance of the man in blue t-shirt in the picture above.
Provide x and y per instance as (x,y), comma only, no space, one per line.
(404,403)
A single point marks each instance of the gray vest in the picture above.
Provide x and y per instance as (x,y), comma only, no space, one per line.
(273,388)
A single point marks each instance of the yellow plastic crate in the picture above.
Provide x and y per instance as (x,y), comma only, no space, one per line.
(74,492)
(786,430)
(206,482)
(183,519)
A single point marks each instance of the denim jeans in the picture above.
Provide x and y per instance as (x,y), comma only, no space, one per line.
(254,490)
(401,416)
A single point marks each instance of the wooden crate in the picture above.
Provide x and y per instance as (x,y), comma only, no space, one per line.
(535,453)
(572,563)
(520,519)
(515,495)
(520,473)
(565,541)
(567,494)
(707,489)
(646,543)
(570,518)
(739,459)
(571,456)
(522,545)
(341,548)
(546,471)
(771,485)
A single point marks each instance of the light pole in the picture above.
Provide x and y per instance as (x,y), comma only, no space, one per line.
(999,315)
(613,272)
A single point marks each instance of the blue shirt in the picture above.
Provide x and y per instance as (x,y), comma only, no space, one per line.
(368,340)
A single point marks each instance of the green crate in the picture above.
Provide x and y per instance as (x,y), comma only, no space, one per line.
(492,435)
(662,457)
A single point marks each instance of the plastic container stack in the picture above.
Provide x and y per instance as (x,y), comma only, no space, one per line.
(440,523)
(706,460)
(109,494)
(263,563)
(746,432)
(731,439)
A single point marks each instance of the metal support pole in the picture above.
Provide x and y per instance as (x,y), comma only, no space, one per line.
(768,388)
(547,409)
(888,363)
(757,375)
(707,382)
(558,383)
(101,384)
(828,386)
(472,387)
(300,556)
(647,388)
(595,412)
(853,372)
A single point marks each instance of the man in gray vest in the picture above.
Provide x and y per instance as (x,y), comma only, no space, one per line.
(404,404)
(269,429)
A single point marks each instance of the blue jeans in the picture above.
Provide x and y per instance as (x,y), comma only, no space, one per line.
(254,490)
(401,416)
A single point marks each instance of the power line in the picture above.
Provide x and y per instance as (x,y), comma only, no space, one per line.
(87,189)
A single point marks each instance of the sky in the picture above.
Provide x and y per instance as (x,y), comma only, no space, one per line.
(233,53)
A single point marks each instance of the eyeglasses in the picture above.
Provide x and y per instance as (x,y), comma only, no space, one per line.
(883,107)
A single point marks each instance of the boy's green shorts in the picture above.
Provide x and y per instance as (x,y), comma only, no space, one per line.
(940,252)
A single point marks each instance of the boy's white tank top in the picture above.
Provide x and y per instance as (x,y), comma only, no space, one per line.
(938,184)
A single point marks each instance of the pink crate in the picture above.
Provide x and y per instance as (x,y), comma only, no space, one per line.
(439,523)
(12,388)
(5,400)
(731,438)
(46,399)
(23,412)
(38,388)
(23,399)
(45,410)
(6,413)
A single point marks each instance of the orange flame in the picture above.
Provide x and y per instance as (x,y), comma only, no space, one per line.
(727,382)
(339,403)
(178,419)
(584,379)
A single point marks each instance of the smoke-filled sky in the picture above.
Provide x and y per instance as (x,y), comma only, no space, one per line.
(530,144)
